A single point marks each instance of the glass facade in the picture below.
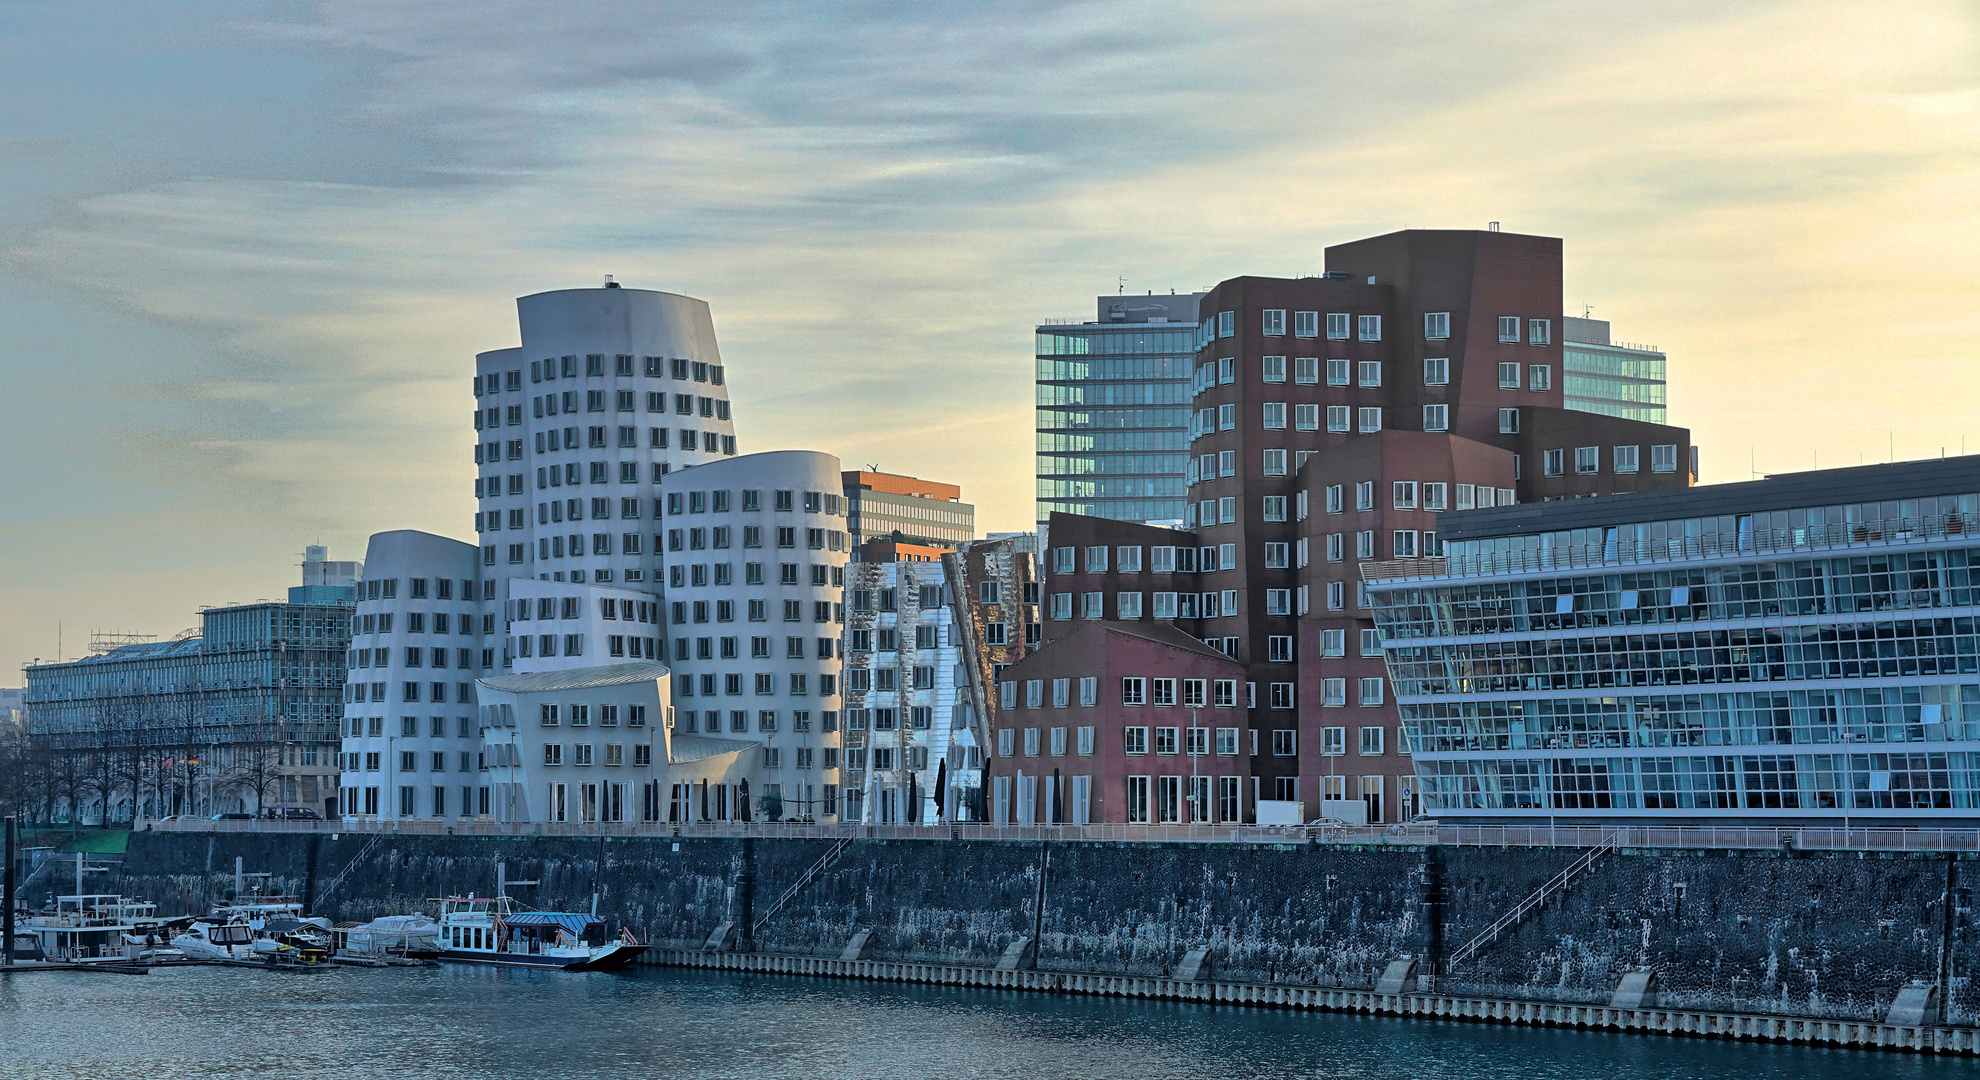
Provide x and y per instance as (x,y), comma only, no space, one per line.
(1113,410)
(1802,663)
(1610,377)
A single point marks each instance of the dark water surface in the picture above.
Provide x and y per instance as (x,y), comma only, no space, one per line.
(486,1022)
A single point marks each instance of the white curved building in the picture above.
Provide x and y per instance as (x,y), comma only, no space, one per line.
(755,552)
(617,525)
(419,640)
(611,390)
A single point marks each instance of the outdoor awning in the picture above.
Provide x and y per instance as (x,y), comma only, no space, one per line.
(576,924)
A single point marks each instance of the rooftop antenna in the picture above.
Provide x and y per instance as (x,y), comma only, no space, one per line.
(872,466)
(1587,310)
(1123,285)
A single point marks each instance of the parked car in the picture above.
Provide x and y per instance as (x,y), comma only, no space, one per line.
(290,813)
(232,817)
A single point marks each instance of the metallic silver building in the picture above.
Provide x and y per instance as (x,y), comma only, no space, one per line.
(1804,648)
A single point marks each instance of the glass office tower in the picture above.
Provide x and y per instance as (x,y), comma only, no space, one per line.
(1113,409)
(1613,378)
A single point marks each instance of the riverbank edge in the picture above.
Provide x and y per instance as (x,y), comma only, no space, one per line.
(1683,1023)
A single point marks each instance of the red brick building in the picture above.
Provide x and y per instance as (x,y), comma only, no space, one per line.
(1333,418)
(1122,722)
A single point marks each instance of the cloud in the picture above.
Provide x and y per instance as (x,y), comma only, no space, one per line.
(879,201)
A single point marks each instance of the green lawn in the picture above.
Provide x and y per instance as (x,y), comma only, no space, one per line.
(94,841)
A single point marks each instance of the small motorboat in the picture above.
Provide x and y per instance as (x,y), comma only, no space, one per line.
(219,940)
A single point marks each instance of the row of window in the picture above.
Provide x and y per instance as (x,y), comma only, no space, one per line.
(766,720)
(708,442)
(1306,324)
(581,754)
(417,622)
(1623,460)
(415,657)
(764,684)
(417,691)
(356,727)
(420,588)
(1406,494)
(593,366)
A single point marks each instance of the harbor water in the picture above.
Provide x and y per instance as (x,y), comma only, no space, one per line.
(456,1021)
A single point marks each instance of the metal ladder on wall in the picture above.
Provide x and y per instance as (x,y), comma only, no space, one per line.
(364,852)
(804,880)
(1519,911)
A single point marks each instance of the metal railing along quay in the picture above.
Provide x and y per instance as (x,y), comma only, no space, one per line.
(1747,837)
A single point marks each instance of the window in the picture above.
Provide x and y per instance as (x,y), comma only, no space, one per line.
(1128,605)
(1364,495)
(1226,323)
(1402,494)
(1279,648)
(1306,324)
(1337,326)
(1093,605)
(1540,377)
(1337,372)
(1371,420)
(1333,741)
(1587,459)
(1333,692)
(1096,559)
(1371,741)
(1285,743)
(1306,370)
(1278,601)
(1336,548)
(1275,415)
(1625,458)
(1508,421)
(1306,417)
(1333,498)
(1364,544)
(1551,462)
(1436,324)
(1369,327)
(1135,740)
(1433,495)
(1509,332)
(1436,417)
(1275,322)
(1275,556)
(1539,331)
(1275,369)
(1371,643)
(1437,371)
(1368,373)
(1402,544)
(1337,418)
(1664,458)
(1509,376)
(1369,693)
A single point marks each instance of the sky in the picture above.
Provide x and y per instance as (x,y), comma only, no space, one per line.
(248,250)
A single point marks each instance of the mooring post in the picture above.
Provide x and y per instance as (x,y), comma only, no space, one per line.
(13,825)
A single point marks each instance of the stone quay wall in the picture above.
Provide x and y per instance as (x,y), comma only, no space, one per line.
(1818,934)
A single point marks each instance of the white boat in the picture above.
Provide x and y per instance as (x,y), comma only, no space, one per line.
(496,930)
(227,939)
(413,937)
